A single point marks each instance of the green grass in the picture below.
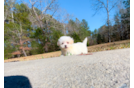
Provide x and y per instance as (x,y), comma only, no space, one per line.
(5,58)
(42,57)
(111,47)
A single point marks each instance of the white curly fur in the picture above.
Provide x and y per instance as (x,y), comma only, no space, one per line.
(68,47)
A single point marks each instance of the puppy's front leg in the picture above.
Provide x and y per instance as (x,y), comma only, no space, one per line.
(68,54)
(61,55)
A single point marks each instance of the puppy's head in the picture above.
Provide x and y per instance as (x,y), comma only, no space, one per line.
(65,42)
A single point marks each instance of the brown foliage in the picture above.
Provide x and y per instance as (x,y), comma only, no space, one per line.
(16,53)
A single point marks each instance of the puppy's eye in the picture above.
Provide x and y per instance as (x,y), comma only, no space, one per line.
(62,43)
(67,42)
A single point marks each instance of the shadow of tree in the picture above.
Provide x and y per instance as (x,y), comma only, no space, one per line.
(16,82)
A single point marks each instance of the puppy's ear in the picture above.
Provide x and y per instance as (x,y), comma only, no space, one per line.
(58,43)
(71,41)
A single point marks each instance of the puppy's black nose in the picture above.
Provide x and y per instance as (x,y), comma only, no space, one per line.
(65,46)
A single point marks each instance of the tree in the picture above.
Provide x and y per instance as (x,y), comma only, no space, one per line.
(50,6)
(41,15)
(16,36)
(17,31)
(55,35)
(76,37)
(95,33)
(78,29)
(71,26)
(121,27)
(127,6)
(44,41)
(63,17)
(93,37)
(107,6)
(103,31)
(84,29)
(8,49)
(9,9)
(125,19)
(99,39)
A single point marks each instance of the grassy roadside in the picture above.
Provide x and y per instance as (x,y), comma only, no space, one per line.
(109,46)
(94,48)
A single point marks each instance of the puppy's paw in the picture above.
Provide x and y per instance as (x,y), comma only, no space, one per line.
(61,55)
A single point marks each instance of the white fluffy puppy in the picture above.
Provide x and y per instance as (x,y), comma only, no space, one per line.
(68,47)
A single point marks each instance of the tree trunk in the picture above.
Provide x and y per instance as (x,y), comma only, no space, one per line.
(64,29)
(109,38)
(22,48)
(12,14)
(24,52)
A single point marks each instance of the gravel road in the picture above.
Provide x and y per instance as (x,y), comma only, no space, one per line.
(106,69)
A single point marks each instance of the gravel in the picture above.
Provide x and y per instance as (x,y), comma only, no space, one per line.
(105,69)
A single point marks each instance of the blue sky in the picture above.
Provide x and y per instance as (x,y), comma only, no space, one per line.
(82,9)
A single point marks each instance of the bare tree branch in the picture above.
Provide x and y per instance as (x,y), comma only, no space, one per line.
(103,4)
(48,6)
(32,2)
(113,6)
(97,9)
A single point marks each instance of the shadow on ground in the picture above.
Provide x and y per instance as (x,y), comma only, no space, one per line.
(16,82)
